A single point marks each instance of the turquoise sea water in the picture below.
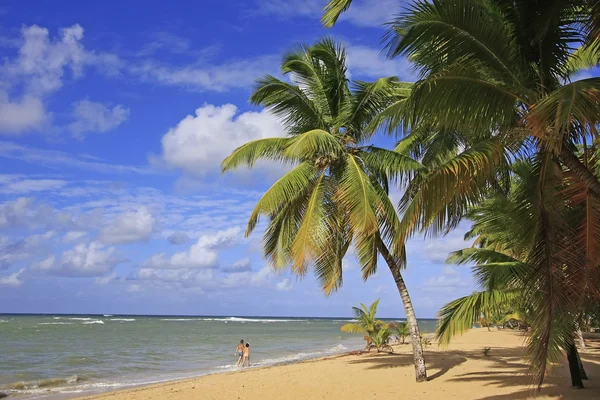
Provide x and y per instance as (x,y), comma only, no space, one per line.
(61,356)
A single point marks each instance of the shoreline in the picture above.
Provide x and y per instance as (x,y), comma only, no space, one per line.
(459,372)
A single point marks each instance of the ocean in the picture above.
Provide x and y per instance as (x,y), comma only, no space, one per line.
(64,356)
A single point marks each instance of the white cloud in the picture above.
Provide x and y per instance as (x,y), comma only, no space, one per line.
(54,158)
(199,143)
(32,185)
(444,283)
(84,260)
(365,13)
(234,74)
(202,254)
(38,71)
(129,227)
(284,285)
(21,116)
(95,117)
(20,250)
(369,62)
(73,236)
(261,278)
(13,280)
(436,250)
(242,265)
(105,280)
(188,277)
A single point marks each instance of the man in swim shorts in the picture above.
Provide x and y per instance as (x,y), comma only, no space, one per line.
(239,351)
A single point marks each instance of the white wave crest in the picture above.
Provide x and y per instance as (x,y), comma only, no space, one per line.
(123,319)
(107,315)
(93,322)
(79,319)
(244,320)
(55,323)
(181,319)
(3,320)
(301,356)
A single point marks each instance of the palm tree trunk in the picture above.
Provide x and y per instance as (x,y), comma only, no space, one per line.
(576,378)
(581,369)
(411,319)
(584,174)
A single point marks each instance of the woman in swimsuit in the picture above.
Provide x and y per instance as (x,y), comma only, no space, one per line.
(246,354)
(239,351)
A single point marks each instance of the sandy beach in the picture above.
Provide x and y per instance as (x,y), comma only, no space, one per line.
(460,371)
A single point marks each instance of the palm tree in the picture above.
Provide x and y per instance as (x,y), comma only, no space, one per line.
(367,323)
(337,193)
(401,331)
(513,285)
(503,69)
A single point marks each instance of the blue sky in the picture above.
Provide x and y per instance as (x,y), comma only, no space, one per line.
(114,117)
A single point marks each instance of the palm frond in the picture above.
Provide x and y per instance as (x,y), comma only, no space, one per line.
(333,10)
(285,190)
(461,314)
(249,153)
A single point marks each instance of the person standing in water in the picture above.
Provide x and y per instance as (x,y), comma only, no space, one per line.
(246,354)
(239,351)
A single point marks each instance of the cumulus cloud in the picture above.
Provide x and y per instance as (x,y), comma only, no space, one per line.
(38,71)
(178,238)
(21,115)
(260,278)
(202,254)
(242,265)
(284,285)
(129,227)
(20,250)
(95,117)
(198,143)
(13,280)
(84,260)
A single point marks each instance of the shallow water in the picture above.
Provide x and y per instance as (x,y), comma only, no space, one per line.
(66,355)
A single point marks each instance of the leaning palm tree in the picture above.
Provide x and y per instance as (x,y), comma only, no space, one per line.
(336,195)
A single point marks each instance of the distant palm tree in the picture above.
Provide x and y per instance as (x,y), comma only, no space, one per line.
(401,331)
(337,193)
(367,323)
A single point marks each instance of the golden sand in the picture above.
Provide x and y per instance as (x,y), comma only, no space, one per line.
(460,371)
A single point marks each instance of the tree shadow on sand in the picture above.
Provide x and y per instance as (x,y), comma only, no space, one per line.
(443,362)
(507,368)
(556,384)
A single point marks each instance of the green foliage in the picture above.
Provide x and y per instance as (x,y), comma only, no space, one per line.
(377,333)
(401,331)
(336,195)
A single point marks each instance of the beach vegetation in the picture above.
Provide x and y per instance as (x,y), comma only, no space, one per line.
(401,331)
(377,333)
